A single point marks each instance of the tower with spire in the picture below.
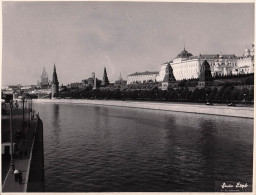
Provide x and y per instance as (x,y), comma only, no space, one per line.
(55,83)
(169,78)
(105,80)
(205,76)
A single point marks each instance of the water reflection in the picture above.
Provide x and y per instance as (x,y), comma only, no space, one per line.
(206,145)
(56,121)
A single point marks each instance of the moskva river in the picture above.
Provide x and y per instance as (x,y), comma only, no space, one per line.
(91,148)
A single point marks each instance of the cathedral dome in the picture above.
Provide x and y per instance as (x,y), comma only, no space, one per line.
(184,54)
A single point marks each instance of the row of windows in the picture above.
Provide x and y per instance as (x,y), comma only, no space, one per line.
(142,77)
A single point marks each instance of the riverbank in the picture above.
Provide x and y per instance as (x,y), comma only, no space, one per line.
(22,161)
(221,110)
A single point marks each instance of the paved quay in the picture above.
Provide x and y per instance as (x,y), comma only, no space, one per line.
(22,162)
(220,110)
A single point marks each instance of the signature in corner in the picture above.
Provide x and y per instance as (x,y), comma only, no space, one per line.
(238,185)
(224,185)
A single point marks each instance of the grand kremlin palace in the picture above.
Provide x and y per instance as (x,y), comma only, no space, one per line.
(187,66)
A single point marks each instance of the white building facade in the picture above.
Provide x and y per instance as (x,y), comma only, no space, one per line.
(142,77)
(245,63)
(187,66)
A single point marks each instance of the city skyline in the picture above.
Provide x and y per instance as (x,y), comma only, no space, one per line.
(126,37)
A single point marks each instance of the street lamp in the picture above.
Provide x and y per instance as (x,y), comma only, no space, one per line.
(11,136)
(23,121)
(245,98)
(31,108)
(29,111)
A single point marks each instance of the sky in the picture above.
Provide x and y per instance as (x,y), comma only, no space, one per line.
(125,37)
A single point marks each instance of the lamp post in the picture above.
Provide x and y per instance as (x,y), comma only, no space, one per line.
(11,136)
(245,98)
(31,108)
(29,111)
(23,121)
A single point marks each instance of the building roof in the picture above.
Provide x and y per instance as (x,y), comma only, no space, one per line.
(144,73)
(167,62)
(184,54)
(54,75)
(243,67)
(224,56)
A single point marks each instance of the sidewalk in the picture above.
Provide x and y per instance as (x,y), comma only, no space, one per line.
(22,164)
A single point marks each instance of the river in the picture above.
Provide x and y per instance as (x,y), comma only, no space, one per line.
(90,148)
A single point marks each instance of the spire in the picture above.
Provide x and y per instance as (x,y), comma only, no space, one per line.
(105,80)
(55,83)
(54,75)
(169,77)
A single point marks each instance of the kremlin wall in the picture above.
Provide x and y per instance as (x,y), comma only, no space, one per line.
(184,66)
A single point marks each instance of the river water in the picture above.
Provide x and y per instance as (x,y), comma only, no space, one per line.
(91,148)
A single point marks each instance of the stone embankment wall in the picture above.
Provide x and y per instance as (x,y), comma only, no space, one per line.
(222,110)
(36,172)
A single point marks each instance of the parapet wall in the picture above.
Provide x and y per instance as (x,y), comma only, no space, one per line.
(36,172)
(222,110)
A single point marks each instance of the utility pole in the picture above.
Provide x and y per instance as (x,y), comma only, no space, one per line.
(23,121)
(11,136)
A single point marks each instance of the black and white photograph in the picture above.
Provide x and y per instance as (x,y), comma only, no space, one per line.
(127,96)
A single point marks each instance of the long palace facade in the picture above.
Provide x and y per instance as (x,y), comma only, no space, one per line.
(187,66)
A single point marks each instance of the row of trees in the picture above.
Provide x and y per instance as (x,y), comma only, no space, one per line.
(227,93)
(231,76)
(244,79)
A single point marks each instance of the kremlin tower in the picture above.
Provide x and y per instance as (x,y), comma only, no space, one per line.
(55,83)
(105,81)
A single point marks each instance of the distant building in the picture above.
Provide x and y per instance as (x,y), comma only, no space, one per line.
(90,80)
(187,66)
(76,85)
(120,81)
(142,77)
(84,82)
(55,83)
(44,84)
(105,81)
(95,83)
(245,63)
